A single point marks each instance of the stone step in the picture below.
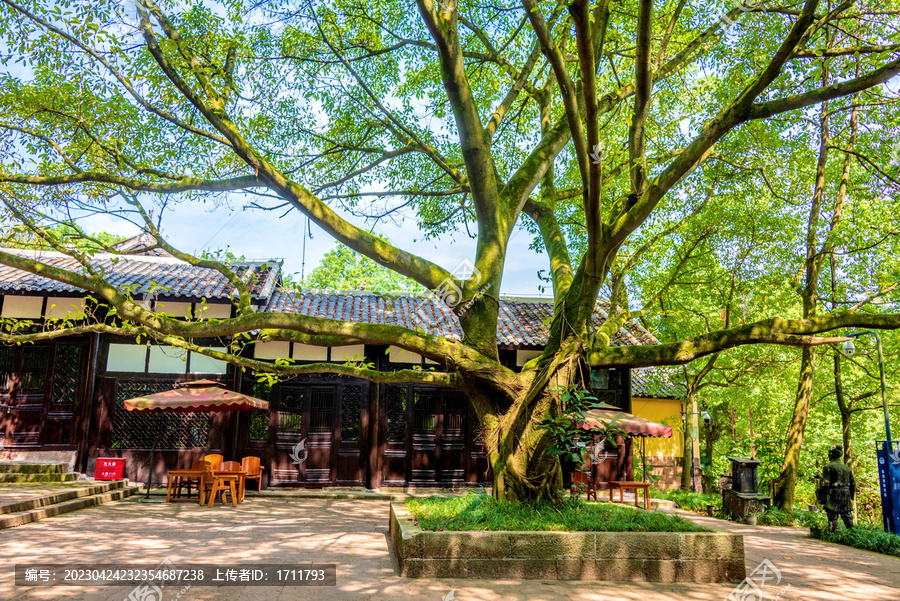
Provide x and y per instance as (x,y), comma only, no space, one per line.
(60,497)
(25,467)
(7,478)
(12,520)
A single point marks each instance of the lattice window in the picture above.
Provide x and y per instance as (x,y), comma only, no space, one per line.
(321,410)
(455,409)
(610,397)
(259,418)
(396,413)
(425,410)
(351,403)
(138,430)
(34,369)
(290,410)
(65,374)
(7,359)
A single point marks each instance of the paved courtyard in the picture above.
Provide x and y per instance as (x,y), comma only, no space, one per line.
(353,534)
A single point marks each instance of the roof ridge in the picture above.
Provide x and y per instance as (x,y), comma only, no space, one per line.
(55,254)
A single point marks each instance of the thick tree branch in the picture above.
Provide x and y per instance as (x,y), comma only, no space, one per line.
(786,332)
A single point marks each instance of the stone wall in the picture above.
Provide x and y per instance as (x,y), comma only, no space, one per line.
(623,556)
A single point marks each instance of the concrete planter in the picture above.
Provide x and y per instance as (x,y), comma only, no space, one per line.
(623,556)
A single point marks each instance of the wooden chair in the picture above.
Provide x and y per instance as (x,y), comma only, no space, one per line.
(254,470)
(214,460)
(581,481)
(215,485)
(221,485)
(196,465)
(230,466)
(207,481)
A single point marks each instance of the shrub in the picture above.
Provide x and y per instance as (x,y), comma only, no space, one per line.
(775,517)
(811,519)
(870,538)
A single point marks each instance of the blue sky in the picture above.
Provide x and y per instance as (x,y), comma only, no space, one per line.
(192,227)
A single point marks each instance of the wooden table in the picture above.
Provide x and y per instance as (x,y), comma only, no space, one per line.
(178,477)
(240,476)
(635,486)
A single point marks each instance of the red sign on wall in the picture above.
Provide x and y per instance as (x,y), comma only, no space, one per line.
(109,468)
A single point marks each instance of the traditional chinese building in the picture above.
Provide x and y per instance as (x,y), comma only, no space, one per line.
(63,400)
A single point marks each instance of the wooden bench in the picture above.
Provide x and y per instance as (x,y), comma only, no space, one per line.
(635,486)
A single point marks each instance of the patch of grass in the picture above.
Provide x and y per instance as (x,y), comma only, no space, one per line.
(483,512)
(868,537)
(688,500)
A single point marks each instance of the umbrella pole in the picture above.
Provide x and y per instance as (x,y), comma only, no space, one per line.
(644,459)
(146,499)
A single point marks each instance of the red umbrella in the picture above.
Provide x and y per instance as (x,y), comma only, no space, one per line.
(637,426)
(199,396)
(598,419)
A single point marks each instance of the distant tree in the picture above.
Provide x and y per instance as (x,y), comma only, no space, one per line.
(21,237)
(342,268)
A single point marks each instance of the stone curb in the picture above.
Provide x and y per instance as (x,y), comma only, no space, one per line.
(618,556)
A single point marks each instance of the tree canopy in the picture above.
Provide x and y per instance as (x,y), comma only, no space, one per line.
(651,148)
(344,269)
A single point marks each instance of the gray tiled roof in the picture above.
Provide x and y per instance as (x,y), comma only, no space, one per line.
(170,276)
(523,322)
(657,383)
(140,245)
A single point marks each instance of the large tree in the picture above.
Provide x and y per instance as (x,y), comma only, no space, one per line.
(597,125)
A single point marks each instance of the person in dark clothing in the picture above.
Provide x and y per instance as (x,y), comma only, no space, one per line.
(837,489)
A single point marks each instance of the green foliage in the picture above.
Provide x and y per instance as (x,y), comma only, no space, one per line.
(68,236)
(344,269)
(811,519)
(870,538)
(223,255)
(775,517)
(483,512)
(570,438)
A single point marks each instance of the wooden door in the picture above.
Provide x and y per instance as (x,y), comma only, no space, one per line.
(40,387)
(453,438)
(318,432)
(352,440)
(395,430)
(323,408)
(425,452)
(69,364)
(26,389)
(7,379)
(286,429)
(440,437)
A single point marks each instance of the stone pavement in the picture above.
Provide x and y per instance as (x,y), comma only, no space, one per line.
(353,534)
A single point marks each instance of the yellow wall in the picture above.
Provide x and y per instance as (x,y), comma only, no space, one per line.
(666,412)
